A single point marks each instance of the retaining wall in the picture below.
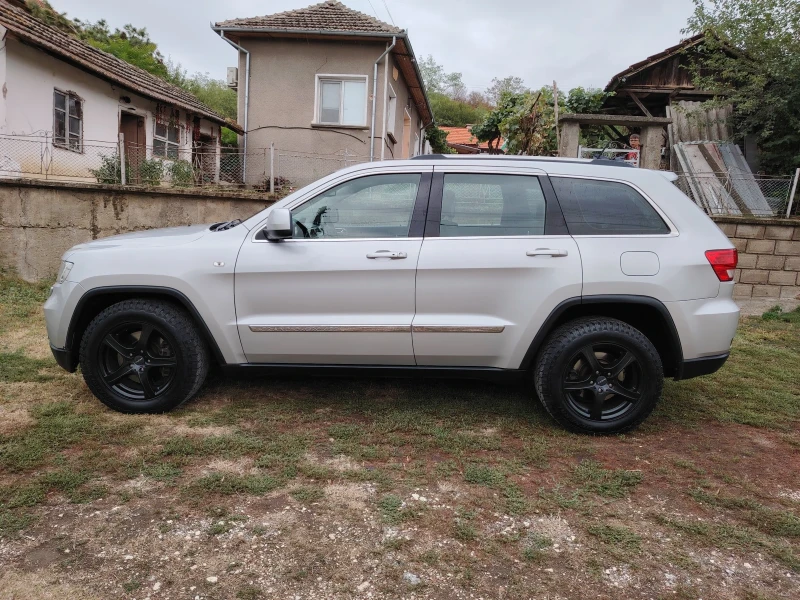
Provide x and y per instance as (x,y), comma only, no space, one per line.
(39,220)
(769,256)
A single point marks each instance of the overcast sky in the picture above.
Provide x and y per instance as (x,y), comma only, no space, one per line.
(576,42)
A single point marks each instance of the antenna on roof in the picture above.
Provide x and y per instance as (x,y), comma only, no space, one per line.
(390,13)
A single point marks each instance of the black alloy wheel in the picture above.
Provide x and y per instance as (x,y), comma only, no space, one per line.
(143,356)
(598,375)
(602,382)
(137,361)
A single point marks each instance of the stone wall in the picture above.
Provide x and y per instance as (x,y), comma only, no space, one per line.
(769,256)
(39,220)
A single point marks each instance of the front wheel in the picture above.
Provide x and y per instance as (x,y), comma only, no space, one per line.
(143,356)
(599,375)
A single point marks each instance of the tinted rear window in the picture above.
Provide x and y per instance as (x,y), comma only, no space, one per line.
(606,208)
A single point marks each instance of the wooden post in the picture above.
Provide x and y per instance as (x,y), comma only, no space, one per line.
(791,196)
(122,174)
(272,168)
(555,109)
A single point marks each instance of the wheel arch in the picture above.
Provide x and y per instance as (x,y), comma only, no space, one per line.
(96,300)
(645,313)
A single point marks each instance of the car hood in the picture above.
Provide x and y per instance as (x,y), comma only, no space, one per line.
(152,238)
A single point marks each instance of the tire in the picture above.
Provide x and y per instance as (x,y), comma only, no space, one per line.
(598,375)
(151,376)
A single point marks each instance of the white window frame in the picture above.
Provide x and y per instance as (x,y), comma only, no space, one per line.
(340,78)
(166,140)
(391,113)
(65,145)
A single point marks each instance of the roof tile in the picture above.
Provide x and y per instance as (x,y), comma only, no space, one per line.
(325,16)
(33,31)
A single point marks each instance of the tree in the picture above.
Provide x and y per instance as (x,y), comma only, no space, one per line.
(750,58)
(490,130)
(454,113)
(437,138)
(131,44)
(511,84)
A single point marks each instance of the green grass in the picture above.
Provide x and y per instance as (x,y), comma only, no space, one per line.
(621,540)
(229,483)
(611,483)
(15,367)
(307,494)
(776,313)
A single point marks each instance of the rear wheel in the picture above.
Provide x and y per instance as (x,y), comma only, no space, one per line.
(143,356)
(599,375)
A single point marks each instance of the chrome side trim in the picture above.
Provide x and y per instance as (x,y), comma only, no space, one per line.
(330,328)
(457,329)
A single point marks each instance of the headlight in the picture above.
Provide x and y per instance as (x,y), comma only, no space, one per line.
(63,272)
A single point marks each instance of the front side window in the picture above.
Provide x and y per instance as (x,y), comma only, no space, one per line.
(378,206)
(593,207)
(342,101)
(167,137)
(67,120)
(491,205)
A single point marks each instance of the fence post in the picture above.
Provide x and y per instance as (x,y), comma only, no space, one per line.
(791,196)
(272,168)
(122,173)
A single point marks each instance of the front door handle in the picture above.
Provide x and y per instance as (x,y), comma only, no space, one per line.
(387,254)
(547,252)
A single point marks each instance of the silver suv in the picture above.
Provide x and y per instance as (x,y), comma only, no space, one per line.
(589,280)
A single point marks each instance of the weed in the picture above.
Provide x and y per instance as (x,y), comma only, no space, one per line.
(228,483)
(776,313)
(612,483)
(307,494)
(484,475)
(618,538)
(390,506)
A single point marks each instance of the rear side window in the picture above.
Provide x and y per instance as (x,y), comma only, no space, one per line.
(491,205)
(606,208)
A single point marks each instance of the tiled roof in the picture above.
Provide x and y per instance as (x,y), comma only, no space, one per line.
(462,136)
(33,31)
(325,16)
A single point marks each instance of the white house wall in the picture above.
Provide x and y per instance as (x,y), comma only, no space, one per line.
(29,77)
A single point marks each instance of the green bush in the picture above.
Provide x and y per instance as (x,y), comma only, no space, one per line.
(109,171)
(151,171)
(181,173)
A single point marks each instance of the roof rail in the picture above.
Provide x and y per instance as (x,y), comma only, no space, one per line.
(606,162)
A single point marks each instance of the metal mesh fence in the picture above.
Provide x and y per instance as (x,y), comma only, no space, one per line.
(735,195)
(104,162)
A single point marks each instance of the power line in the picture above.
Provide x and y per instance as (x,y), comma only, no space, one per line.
(390,13)
(373,9)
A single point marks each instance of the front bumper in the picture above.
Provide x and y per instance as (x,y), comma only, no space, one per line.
(697,367)
(65,359)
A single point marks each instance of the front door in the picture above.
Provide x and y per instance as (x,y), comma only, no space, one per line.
(495,262)
(341,291)
(131,126)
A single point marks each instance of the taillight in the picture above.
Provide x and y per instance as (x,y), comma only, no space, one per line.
(723,262)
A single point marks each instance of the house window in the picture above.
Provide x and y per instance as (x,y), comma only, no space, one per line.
(167,137)
(67,120)
(392,114)
(342,100)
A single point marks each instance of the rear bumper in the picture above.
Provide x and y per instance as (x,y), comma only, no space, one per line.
(65,359)
(697,367)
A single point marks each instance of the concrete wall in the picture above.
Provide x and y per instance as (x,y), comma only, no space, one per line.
(283,90)
(29,77)
(769,256)
(41,220)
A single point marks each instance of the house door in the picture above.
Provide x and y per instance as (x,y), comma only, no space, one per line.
(132,127)
(406,149)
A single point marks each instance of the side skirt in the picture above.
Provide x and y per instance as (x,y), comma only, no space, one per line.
(403,372)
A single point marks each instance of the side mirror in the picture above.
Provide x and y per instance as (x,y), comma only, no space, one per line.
(279,224)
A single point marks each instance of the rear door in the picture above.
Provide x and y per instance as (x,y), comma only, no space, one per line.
(495,261)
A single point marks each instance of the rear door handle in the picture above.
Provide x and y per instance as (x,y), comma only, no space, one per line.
(387,254)
(547,252)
